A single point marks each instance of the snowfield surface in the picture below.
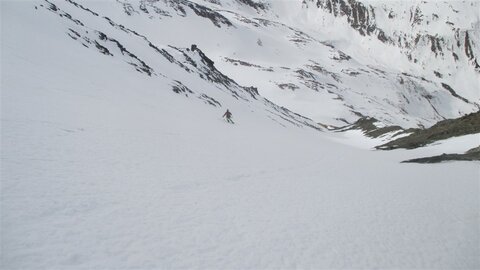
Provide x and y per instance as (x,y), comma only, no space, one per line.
(104,167)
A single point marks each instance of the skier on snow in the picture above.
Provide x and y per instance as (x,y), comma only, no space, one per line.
(228,116)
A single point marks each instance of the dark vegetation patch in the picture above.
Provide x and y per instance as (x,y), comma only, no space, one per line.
(470,155)
(468,124)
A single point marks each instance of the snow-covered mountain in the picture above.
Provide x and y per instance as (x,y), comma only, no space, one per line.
(301,55)
(114,153)
(440,36)
(331,61)
(443,31)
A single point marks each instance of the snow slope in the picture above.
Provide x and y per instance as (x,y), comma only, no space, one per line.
(103,166)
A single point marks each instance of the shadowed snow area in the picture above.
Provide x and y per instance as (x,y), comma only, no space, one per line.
(105,166)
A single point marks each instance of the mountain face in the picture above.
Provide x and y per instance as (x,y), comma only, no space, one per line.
(404,63)
(440,37)
(445,31)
